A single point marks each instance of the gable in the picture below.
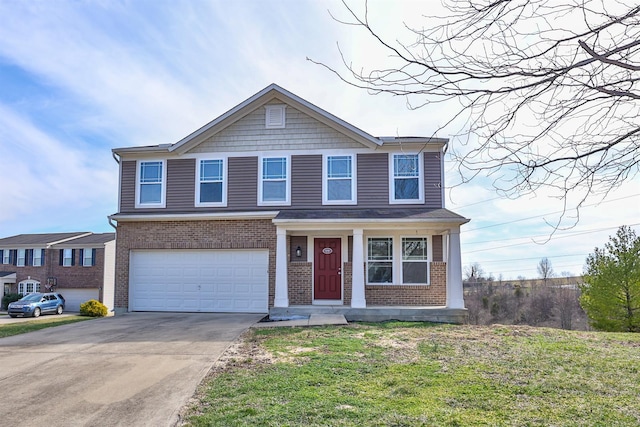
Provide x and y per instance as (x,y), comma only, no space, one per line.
(300,132)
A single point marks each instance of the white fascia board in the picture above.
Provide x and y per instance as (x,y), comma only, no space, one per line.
(369,222)
(195,216)
(68,239)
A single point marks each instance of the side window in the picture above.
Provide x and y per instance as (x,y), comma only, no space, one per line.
(406,179)
(151,176)
(274,186)
(37,257)
(338,180)
(415,262)
(211,185)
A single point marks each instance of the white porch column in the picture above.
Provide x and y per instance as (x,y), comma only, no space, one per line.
(282,293)
(455,296)
(357,273)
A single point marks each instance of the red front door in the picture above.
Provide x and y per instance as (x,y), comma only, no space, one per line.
(327,269)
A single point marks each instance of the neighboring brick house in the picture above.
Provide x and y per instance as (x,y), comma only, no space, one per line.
(279,207)
(79,265)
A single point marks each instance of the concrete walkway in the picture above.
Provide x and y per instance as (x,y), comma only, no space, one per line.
(313,320)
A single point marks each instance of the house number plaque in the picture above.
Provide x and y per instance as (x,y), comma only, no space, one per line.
(327,251)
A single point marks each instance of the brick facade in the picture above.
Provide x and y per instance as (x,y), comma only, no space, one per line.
(222,234)
(75,276)
(300,280)
(434,294)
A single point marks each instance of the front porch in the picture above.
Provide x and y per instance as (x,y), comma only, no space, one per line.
(371,266)
(441,314)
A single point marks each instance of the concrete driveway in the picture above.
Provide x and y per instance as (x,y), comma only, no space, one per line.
(136,369)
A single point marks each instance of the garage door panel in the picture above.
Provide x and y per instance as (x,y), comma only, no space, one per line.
(199,280)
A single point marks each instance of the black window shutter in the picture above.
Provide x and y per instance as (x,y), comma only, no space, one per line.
(93,257)
(61,257)
(73,257)
(81,258)
(42,256)
(13,257)
(1,255)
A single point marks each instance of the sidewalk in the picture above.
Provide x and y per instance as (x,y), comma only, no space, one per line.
(313,320)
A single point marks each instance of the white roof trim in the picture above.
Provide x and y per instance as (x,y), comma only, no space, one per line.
(286,97)
(195,216)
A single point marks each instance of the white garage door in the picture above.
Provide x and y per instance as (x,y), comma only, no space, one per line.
(74,297)
(199,280)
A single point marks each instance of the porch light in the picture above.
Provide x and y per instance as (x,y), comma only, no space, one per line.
(298,252)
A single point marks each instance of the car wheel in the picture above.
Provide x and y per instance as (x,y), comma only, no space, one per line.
(59,310)
(13,315)
(36,312)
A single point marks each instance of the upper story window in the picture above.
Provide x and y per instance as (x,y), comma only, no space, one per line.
(37,257)
(66,257)
(275,185)
(151,188)
(88,257)
(406,179)
(6,256)
(339,185)
(22,257)
(211,186)
(275,116)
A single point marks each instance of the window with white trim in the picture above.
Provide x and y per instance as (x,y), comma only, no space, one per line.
(28,287)
(6,256)
(339,182)
(406,181)
(415,261)
(151,178)
(87,257)
(379,260)
(274,184)
(67,257)
(274,116)
(211,188)
(22,256)
(37,257)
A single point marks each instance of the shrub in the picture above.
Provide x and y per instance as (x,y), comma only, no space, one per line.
(93,308)
(9,298)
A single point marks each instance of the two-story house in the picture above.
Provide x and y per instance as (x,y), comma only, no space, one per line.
(81,266)
(279,207)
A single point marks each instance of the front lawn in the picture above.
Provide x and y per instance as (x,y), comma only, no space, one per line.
(37,324)
(414,374)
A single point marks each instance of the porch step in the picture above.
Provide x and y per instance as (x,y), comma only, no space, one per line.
(376,313)
(313,320)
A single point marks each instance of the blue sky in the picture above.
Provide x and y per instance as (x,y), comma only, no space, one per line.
(80,78)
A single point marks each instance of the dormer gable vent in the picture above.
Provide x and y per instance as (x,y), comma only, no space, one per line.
(275,117)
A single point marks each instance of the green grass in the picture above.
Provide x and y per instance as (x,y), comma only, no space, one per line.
(412,374)
(37,324)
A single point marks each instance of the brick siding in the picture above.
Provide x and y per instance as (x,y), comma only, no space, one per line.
(300,280)
(223,234)
(411,295)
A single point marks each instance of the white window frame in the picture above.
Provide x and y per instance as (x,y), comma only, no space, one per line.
(427,260)
(6,256)
(21,258)
(84,257)
(326,179)
(24,285)
(396,260)
(393,268)
(163,184)
(65,257)
(37,257)
(272,109)
(223,202)
(287,201)
(392,178)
